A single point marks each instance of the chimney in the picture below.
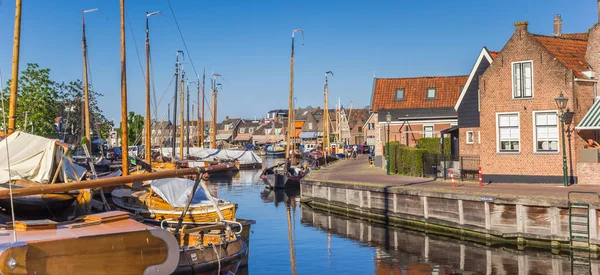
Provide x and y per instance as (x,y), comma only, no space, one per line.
(558,25)
(522,26)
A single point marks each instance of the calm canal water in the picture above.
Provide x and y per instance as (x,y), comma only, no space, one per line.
(316,242)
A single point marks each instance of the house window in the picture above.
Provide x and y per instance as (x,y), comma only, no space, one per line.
(242,130)
(470,137)
(428,131)
(310,125)
(546,132)
(268,131)
(360,129)
(431,93)
(508,132)
(522,79)
(399,94)
(251,130)
(277,131)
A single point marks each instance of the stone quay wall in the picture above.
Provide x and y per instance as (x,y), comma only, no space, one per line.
(531,222)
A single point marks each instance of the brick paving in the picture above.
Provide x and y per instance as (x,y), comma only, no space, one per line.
(359,172)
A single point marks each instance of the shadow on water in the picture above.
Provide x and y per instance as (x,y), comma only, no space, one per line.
(400,251)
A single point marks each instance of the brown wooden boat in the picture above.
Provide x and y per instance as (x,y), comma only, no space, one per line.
(106,243)
(164,200)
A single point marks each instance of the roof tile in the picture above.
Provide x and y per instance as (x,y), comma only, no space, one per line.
(415,92)
(570,52)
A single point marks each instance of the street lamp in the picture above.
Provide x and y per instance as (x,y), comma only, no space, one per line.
(561,103)
(388,118)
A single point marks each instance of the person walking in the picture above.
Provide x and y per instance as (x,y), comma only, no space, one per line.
(354,151)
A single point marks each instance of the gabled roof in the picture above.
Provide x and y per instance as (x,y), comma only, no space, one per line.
(447,88)
(485,53)
(568,51)
(357,116)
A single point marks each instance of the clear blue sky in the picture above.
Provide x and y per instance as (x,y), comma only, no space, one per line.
(248,42)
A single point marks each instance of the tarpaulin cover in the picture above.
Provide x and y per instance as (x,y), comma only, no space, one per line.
(176,192)
(243,156)
(33,158)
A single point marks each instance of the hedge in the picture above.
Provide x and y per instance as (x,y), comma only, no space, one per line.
(433,145)
(405,160)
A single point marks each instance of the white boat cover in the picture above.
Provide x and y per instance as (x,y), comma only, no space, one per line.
(176,192)
(34,158)
(243,156)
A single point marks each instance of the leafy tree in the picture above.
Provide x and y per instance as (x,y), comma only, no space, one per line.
(72,112)
(37,100)
(135,128)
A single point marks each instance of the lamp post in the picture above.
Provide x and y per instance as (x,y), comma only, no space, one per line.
(561,103)
(388,118)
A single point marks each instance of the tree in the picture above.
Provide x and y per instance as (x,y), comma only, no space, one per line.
(135,129)
(72,112)
(37,100)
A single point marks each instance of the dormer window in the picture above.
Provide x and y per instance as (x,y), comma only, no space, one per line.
(522,79)
(431,93)
(400,94)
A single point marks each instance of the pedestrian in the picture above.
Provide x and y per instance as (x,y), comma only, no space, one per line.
(354,151)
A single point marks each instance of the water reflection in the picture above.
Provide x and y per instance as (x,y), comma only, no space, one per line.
(417,253)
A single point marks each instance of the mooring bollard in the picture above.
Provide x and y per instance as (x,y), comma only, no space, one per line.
(480,178)
(452,177)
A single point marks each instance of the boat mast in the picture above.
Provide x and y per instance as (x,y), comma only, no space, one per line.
(325,118)
(86,96)
(213,120)
(187,126)
(174,134)
(291,99)
(202,118)
(124,141)
(181,118)
(198,128)
(12,112)
(147,126)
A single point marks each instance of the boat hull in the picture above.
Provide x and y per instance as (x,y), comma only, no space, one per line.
(40,205)
(279,181)
(206,261)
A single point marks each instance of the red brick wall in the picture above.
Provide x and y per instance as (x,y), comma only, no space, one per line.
(549,79)
(588,173)
(466,149)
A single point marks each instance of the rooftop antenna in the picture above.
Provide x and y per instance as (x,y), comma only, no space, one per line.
(12,207)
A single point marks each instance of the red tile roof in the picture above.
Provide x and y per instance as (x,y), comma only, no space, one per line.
(580,36)
(570,52)
(493,54)
(415,92)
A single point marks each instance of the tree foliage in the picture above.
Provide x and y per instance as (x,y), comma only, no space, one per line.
(135,129)
(43,100)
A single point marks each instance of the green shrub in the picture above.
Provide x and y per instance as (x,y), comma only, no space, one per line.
(411,161)
(433,145)
(390,148)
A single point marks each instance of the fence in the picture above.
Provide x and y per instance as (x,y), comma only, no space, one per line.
(434,164)
(469,165)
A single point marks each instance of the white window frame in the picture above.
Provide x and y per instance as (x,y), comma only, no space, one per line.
(251,130)
(242,130)
(403,94)
(512,80)
(434,93)
(467,137)
(535,149)
(310,126)
(498,133)
(478,137)
(432,130)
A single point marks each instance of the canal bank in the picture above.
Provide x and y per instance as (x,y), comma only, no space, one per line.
(534,216)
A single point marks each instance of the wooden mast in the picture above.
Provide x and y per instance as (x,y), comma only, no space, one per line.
(198,128)
(202,118)
(174,134)
(86,96)
(14,83)
(325,119)
(181,118)
(213,119)
(187,126)
(291,100)
(147,142)
(124,141)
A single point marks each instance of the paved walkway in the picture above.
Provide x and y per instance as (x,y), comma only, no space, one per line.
(359,172)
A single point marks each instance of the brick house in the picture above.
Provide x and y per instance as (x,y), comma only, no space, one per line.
(519,121)
(419,106)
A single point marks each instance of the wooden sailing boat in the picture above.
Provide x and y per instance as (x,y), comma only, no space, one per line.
(284,175)
(164,200)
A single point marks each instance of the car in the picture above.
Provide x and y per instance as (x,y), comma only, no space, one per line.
(114,153)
